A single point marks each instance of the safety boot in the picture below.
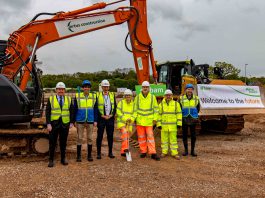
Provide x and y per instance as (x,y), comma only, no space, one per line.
(155,157)
(142,155)
(78,150)
(63,160)
(193,154)
(51,164)
(89,151)
(98,152)
(111,155)
(186,152)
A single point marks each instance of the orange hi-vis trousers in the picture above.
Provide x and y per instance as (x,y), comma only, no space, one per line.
(124,139)
(146,139)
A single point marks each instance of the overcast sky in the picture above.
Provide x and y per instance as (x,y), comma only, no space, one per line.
(204,30)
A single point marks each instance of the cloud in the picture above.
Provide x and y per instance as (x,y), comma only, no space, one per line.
(12,13)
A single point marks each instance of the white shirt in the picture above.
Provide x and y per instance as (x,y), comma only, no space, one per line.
(107,104)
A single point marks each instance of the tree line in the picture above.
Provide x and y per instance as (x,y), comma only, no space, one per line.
(128,78)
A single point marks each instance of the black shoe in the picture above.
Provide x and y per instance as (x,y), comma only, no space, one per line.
(185,153)
(98,156)
(89,151)
(193,154)
(142,155)
(111,156)
(123,154)
(64,162)
(51,163)
(155,157)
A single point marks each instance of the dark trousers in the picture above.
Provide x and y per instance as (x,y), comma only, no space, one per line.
(185,128)
(62,132)
(109,125)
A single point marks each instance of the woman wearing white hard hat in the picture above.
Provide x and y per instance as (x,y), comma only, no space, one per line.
(59,117)
(170,119)
(125,118)
(106,113)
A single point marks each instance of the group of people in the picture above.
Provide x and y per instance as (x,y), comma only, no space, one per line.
(88,110)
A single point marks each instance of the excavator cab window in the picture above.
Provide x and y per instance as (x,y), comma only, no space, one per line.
(163,75)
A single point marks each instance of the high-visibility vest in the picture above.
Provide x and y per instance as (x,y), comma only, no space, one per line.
(57,112)
(170,115)
(85,112)
(125,111)
(189,107)
(101,102)
(146,109)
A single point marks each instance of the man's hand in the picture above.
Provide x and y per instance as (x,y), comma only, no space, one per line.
(95,124)
(105,117)
(49,127)
(154,122)
(71,125)
(179,128)
(128,120)
(159,127)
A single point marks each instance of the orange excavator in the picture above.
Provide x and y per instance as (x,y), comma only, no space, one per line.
(20,102)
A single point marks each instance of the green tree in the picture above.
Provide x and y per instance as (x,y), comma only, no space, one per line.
(229,70)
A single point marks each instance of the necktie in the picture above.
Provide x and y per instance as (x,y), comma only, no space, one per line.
(61,102)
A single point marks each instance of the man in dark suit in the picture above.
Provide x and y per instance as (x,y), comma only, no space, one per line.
(59,117)
(106,113)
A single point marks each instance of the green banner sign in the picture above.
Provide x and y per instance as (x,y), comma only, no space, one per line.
(157,90)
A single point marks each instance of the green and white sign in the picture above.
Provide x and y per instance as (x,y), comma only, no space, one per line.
(229,96)
(157,90)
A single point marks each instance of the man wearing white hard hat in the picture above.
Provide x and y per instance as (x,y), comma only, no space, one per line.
(59,117)
(125,118)
(106,113)
(170,119)
(146,110)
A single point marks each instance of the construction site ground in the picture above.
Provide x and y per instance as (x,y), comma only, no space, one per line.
(228,165)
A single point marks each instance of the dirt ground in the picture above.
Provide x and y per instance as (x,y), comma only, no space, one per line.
(226,166)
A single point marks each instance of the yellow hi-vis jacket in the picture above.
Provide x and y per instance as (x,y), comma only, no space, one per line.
(170,115)
(57,112)
(125,111)
(146,109)
(101,103)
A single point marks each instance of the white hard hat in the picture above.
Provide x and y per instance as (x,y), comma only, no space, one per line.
(168,91)
(60,85)
(145,84)
(105,83)
(128,92)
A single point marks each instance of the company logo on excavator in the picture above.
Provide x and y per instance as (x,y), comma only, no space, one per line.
(72,27)
(205,88)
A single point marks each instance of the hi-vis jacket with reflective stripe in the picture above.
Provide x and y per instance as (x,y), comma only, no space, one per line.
(189,107)
(101,102)
(170,115)
(85,105)
(146,109)
(57,112)
(125,111)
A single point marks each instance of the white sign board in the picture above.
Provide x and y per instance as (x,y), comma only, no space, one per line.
(228,96)
(74,26)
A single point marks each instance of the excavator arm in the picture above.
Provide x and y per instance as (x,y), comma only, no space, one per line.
(23,43)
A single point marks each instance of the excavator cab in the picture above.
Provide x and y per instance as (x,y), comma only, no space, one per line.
(17,106)
(176,74)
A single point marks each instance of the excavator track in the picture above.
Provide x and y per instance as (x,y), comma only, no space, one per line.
(222,123)
(23,141)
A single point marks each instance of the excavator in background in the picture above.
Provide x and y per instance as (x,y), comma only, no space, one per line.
(225,120)
(22,101)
